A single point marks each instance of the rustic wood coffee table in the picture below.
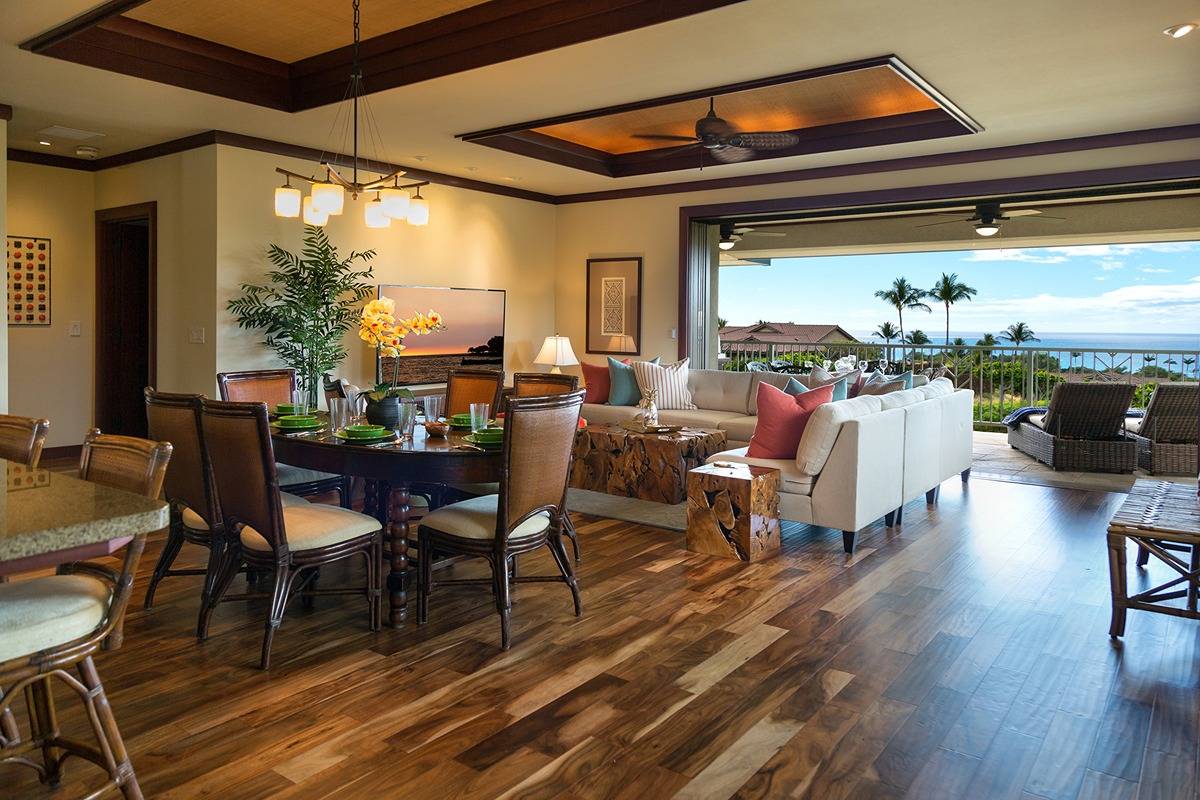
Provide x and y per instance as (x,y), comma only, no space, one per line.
(1164,519)
(648,466)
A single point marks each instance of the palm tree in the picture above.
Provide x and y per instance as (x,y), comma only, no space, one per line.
(988,341)
(1018,334)
(959,347)
(917,337)
(722,323)
(948,291)
(902,295)
(1188,361)
(887,331)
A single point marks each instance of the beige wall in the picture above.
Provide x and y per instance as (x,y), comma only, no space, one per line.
(473,239)
(4,289)
(183,186)
(51,370)
(649,227)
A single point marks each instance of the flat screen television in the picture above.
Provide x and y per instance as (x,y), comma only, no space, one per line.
(474,334)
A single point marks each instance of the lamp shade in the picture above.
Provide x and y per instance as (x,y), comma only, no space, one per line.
(375,214)
(556,351)
(418,211)
(312,216)
(329,198)
(287,202)
(395,202)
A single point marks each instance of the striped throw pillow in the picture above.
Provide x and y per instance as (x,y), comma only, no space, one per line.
(670,381)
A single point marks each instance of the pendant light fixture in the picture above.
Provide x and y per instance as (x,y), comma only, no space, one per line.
(328,196)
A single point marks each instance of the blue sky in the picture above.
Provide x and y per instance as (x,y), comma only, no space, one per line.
(1137,288)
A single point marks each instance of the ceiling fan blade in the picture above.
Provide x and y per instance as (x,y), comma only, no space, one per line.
(663,137)
(764,233)
(732,155)
(1021,212)
(763,140)
(665,152)
(944,222)
(1046,218)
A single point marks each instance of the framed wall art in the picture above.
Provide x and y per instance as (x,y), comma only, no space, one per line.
(27,262)
(614,306)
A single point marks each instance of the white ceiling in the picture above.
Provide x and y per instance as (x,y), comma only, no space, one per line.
(1027,70)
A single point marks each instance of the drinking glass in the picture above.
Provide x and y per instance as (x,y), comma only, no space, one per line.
(433,407)
(339,413)
(479,416)
(299,402)
(862,365)
(407,419)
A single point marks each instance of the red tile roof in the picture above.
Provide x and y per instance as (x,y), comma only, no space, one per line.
(785,333)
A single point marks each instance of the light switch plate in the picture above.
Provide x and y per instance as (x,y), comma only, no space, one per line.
(196,335)
(75,328)
(673,333)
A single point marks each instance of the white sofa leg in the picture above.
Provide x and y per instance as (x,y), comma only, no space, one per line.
(848,541)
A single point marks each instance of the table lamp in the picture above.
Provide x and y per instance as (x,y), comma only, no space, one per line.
(556,351)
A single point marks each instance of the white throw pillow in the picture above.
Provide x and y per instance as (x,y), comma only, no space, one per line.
(670,382)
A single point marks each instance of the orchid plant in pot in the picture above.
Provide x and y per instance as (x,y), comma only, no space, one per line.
(379,327)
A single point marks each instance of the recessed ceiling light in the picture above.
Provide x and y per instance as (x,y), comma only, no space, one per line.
(44,143)
(1181,30)
(510,179)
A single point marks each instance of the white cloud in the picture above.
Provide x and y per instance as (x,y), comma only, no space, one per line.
(1108,264)
(1057,255)
(1144,305)
(1154,270)
(1100,278)
(1004,254)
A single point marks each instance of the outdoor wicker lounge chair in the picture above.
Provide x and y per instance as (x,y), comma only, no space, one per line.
(1082,429)
(1166,437)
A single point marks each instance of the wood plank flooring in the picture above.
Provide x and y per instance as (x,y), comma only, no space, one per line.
(963,656)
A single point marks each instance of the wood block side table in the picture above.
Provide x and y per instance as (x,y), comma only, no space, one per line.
(733,511)
(1164,519)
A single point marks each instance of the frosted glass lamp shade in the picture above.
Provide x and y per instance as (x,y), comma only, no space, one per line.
(375,214)
(418,211)
(329,198)
(395,202)
(312,216)
(556,352)
(287,202)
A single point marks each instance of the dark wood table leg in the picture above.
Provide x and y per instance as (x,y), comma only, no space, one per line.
(398,504)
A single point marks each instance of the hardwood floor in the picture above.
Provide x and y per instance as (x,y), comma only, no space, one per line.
(964,656)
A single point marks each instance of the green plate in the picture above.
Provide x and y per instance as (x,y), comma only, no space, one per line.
(364,431)
(285,409)
(386,437)
(297,423)
(485,444)
(490,434)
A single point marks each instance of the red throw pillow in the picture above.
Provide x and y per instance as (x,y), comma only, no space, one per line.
(596,382)
(782,418)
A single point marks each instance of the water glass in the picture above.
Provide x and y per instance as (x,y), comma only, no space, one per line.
(407,420)
(433,407)
(479,416)
(299,402)
(339,413)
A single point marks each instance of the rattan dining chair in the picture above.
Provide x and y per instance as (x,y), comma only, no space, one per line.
(51,624)
(467,385)
(526,515)
(275,386)
(539,384)
(22,438)
(289,541)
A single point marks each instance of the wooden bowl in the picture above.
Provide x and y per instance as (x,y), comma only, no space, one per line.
(437,429)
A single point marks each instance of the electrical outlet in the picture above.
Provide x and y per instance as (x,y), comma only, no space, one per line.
(75,328)
(196,335)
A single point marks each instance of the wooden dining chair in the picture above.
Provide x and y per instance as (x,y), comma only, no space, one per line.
(525,515)
(290,542)
(467,385)
(275,386)
(537,384)
(22,438)
(51,624)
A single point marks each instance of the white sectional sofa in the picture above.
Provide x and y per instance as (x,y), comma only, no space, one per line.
(864,458)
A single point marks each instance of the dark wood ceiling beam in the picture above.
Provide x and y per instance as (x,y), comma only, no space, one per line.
(5,112)
(78,25)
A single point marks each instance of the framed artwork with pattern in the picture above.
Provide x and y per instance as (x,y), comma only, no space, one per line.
(614,306)
(27,267)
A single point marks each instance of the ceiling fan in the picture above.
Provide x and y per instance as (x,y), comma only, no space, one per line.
(988,216)
(726,143)
(732,234)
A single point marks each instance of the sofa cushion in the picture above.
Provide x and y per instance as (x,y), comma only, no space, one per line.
(739,430)
(881,387)
(597,414)
(669,382)
(721,389)
(782,418)
(777,379)
(696,418)
(920,380)
(906,397)
(791,480)
(938,387)
(623,388)
(822,430)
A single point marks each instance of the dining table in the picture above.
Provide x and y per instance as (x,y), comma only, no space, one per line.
(50,518)
(391,470)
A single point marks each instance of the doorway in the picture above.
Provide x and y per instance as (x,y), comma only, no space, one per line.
(125,316)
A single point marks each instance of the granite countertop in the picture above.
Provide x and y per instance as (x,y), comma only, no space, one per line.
(43,512)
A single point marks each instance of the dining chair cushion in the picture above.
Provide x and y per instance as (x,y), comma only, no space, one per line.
(196,522)
(314,525)
(478,489)
(45,612)
(290,476)
(476,519)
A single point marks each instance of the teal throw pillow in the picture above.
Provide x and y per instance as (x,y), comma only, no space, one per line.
(794,387)
(907,377)
(623,386)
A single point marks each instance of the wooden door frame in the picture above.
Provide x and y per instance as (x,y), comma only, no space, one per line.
(105,216)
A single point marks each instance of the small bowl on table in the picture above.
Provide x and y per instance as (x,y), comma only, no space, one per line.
(364,431)
(286,409)
(437,428)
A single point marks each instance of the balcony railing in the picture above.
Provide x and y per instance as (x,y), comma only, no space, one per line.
(1004,377)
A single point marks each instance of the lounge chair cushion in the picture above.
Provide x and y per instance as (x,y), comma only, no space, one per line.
(1134,424)
(1037,420)
(476,519)
(314,525)
(45,612)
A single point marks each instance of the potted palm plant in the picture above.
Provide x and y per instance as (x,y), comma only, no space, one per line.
(308,305)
